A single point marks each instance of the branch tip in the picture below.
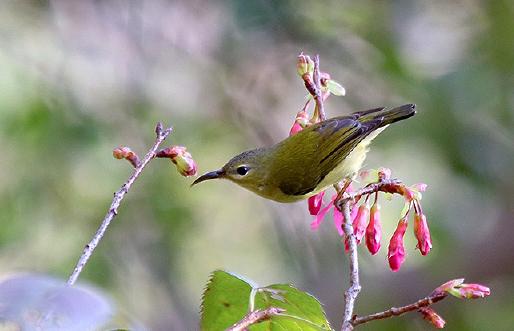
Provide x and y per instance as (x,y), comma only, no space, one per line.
(158,128)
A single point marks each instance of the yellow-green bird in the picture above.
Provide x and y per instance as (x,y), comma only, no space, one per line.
(315,158)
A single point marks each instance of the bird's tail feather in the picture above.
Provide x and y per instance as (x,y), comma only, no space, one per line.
(385,117)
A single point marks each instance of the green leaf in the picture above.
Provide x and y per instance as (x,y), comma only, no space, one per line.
(303,311)
(335,88)
(225,301)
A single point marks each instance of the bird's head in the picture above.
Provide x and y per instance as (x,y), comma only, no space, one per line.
(247,169)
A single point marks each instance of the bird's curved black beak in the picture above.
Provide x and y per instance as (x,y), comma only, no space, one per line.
(210,175)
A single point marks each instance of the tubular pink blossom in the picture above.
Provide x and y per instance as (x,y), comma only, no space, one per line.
(422,233)
(321,215)
(374,230)
(359,223)
(315,203)
(300,122)
(295,129)
(396,251)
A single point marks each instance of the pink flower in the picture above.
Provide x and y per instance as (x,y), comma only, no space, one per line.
(295,129)
(430,315)
(396,252)
(374,230)
(315,203)
(321,214)
(359,223)
(470,291)
(422,233)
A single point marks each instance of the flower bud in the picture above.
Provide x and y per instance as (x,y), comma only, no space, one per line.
(384,173)
(374,230)
(126,153)
(321,214)
(300,122)
(315,203)
(359,223)
(186,166)
(396,251)
(431,316)
(295,129)
(121,152)
(304,65)
(470,291)
(422,233)
(446,287)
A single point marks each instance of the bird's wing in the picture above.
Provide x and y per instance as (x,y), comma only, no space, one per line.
(318,149)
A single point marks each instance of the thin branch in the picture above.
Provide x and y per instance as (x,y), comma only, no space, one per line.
(350,296)
(254,317)
(318,96)
(397,311)
(383,185)
(118,197)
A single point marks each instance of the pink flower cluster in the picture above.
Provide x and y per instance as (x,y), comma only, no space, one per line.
(366,221)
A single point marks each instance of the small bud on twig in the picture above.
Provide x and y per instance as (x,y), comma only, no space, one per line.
(470,291)
(158,129)
(186,166)
(304,65)
(448,286)
(431,316)
(301,121)
(126,153)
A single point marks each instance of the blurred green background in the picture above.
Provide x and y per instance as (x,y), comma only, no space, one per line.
(79,78)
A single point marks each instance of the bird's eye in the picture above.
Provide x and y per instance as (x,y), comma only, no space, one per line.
(242,170)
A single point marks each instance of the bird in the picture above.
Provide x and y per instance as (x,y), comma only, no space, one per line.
(310,161)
